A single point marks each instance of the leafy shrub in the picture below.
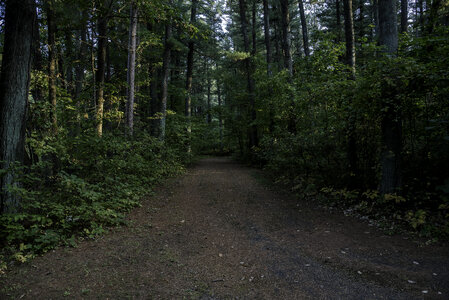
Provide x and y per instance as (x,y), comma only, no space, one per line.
(90,187)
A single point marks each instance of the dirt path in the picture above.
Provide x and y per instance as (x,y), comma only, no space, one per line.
(217,233)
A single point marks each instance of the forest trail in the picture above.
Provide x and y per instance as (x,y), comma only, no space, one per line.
(218,233)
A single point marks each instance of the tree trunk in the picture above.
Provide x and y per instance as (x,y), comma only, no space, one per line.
(131,67)
(338,19)
(388,32)
(38,91)
(286,40)
(376,17)
(253,138)
(52,61)
(108,74)
(266,28)
(350,61)
(154,102)
(14,85)
(253,28)
(277,41)
(189,76)
(305,35)
(404,15)
(93,68)
(209,98)
(421,14)
(349,35)
(79,68)
(69,61)
(288,62)
(391,124)
(165,74)
(220,117)
(101,65)
(361,19)
(433,18)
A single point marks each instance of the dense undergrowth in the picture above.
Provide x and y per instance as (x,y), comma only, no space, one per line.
(80,186)
(313,157)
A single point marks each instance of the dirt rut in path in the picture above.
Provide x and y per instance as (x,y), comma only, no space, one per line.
(216,233)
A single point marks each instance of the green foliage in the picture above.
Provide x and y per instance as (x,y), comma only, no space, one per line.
(329,107)
(90,186)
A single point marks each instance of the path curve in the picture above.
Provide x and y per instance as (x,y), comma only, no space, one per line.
(217,233)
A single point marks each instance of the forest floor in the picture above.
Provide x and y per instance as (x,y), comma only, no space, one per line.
(219,233)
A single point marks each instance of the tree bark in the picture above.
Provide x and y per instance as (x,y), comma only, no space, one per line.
(388,32)
(404,15)
(79,68)
(305,35)
(52,62)
(391,124)
(350,61)
(338,19)
(38,91)
(154,102)
(209,97)
(421,14)
(253,138)
(220,116)
(165,74)
(14,86)
(349,35)
(376,17)
(101,65)
(253,28)
(266,27)
(189,76)
(131,67)
(286,40)
(361,19)
(69,61)
(433,18)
